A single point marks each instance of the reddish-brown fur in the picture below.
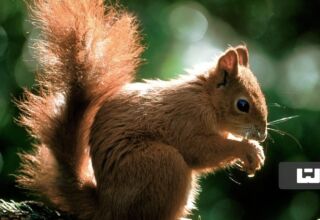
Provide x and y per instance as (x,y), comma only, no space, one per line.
(147,142)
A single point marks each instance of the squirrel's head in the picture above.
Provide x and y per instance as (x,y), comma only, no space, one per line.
(235,91)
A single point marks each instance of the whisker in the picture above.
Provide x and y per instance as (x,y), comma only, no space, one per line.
(283,133)
(231,177)
(233,180)
(281,120)
(276,105)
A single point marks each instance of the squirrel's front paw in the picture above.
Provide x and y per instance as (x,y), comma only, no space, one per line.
(252,157)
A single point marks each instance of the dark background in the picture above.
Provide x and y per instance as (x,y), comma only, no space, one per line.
(284,42)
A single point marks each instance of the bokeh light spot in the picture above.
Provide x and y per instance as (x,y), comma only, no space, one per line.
(301,84)
(259,61)
(303,72)
(202,51)
(304,205)
(188,22)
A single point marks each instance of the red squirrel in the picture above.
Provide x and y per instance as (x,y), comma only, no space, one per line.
(107,148)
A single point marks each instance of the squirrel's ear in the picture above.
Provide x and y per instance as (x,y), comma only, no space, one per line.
(243,55)
(227,66)
(228,62)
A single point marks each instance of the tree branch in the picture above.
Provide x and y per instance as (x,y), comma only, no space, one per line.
(29,210)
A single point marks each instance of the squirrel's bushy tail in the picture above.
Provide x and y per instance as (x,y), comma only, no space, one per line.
(87,53)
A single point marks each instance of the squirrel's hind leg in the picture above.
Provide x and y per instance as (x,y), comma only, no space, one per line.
(152,182)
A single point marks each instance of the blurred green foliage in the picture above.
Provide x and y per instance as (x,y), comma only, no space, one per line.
(283,38)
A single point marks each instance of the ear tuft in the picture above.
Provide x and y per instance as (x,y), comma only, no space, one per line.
(229,61)
(243,55)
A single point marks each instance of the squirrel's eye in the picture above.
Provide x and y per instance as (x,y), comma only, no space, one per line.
(243,105)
